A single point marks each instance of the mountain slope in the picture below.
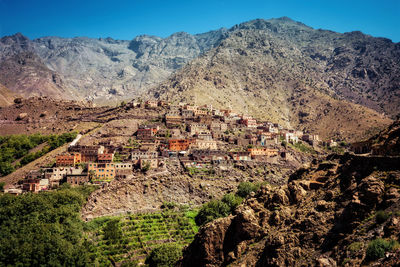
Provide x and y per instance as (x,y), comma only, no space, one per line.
(268,69)
(6,96)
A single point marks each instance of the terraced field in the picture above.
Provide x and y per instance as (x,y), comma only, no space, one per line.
(138,234)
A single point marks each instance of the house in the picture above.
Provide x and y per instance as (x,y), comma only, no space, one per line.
(187,114)
(151,104)
(206,144)
(77,179)
(123,169)
(143,154)
(207,155)
(268,152)
(172,119)
(178,144)
(105,158)
(57,174)
(101,172)
(146,132)
(204,135)
(240,155)
(68,159)
(152,163)
(88,153)
(12,190)
(200,112)
(290,137)
(35,185)
(250,122)
(195,127)
(190,108)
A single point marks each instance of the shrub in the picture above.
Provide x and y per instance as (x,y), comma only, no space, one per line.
(164,256)
(245,188)
(232,201)
(376,248)
(112,231)
(381,216)
(211,211)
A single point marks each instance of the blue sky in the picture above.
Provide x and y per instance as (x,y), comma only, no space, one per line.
(124,19)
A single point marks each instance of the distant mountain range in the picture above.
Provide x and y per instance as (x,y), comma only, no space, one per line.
(274,69)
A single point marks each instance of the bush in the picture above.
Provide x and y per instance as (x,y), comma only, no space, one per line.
(164,256)
(211,211)
(112,231)
(376,248)
(245,188)
(232,201)
(381,216)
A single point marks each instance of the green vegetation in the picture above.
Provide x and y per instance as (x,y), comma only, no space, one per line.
(222,208)
(44,229)
(112,231)
(211,211)
(381,216)
(355,247)
(377,248)
(164,256)
(302,147)
(245,188)
(16,147)
(139,234)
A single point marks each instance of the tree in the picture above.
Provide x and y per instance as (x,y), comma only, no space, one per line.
(232,201)
(164,256)
(112,231)
(245,188)
(211,211)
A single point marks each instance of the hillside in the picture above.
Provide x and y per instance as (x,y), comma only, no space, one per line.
(334,213)
(6,96)
(269,59)
(284,71)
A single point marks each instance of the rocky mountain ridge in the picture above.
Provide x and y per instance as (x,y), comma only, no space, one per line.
(103,70)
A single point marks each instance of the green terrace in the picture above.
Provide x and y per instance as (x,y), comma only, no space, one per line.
(132,237)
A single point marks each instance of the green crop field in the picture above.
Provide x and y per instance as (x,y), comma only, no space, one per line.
(136,235)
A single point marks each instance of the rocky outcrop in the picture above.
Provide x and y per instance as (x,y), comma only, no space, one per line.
(311,220)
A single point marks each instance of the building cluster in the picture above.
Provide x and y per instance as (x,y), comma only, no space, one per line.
(195,136)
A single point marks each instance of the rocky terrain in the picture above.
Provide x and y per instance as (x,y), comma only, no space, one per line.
(285,71)
(103,70)
(326,215)
(6,96)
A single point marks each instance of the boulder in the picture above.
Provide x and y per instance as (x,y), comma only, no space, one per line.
(22,116)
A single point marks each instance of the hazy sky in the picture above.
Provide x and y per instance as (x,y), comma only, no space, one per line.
(124,19)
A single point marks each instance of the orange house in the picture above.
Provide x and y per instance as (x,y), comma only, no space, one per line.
(178,144)
(68,159)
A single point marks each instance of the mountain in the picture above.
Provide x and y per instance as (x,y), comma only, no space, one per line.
(329,214)
(23,71)
(285,71)
(276,69)
(103,70)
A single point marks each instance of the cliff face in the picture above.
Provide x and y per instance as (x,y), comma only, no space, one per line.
(313,220)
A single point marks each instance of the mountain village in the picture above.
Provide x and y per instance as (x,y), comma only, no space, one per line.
(198,137)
